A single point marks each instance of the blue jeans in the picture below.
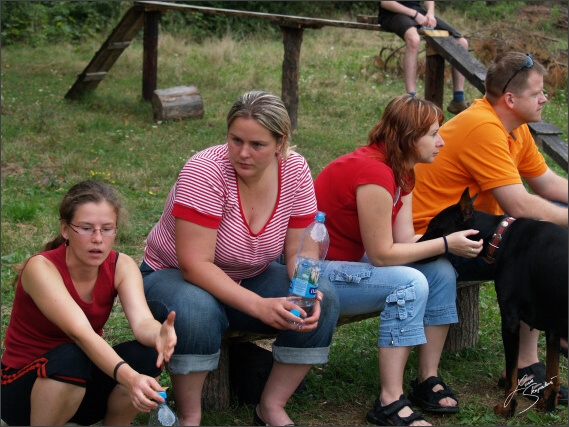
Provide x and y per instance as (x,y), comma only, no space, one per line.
(409,297)
(201,319)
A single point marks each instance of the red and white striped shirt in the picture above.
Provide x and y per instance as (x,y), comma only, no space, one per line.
(206,193)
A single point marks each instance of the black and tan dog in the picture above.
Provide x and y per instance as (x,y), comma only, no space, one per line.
(531,284)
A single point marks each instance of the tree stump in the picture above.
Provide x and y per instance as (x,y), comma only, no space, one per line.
(178,102)
(464,334)
(216,392)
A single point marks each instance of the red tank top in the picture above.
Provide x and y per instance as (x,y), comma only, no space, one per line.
(30,334)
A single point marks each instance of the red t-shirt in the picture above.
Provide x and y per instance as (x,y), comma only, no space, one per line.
(336,188)
(30,334)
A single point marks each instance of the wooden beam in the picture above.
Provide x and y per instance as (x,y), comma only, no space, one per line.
(457,56)
(292,40)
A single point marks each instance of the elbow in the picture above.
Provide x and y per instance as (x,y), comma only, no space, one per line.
(378,261)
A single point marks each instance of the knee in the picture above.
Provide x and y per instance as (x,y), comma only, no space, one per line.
(420,287)
(330,304)
(412,40)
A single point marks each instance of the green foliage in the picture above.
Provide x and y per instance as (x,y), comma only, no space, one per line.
(47,22)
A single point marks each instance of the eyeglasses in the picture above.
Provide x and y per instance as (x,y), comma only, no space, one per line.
(89,231)
(528,63)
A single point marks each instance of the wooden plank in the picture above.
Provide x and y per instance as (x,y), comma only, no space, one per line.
(299,21)
(544,128)
(94,77)
(433,33)
(472,69)
(547,137)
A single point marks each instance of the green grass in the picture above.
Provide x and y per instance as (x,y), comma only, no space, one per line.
(49,143)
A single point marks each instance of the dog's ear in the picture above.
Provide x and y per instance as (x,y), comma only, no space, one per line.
(466,204)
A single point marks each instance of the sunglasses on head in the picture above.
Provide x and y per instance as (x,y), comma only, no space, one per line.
(528,63)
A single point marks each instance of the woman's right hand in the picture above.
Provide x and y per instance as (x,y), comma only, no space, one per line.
(143,392)
(275,312)
(460,244)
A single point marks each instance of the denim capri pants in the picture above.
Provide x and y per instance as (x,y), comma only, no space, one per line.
(201,319)
(409,297)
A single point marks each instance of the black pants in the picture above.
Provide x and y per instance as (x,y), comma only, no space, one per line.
(68,363)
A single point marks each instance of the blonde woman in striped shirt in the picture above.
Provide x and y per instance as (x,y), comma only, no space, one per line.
(213,257)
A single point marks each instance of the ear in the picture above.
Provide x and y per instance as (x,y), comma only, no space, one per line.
(282,142)
(466,204)
(63,227)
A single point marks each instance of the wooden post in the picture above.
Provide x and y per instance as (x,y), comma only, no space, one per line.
(434,77)
(215,393)
(150,54)
(464,334)
(292,40)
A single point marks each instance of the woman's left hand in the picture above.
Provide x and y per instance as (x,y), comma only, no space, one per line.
(310,323)
(166,340)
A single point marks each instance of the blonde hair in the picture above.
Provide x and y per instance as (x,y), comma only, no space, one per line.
(267,109)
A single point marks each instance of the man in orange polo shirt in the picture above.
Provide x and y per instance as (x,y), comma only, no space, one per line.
(490,150)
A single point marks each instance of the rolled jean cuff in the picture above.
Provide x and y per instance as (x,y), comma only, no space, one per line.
(440,316)
(301,356)
(183,364)
(401,337)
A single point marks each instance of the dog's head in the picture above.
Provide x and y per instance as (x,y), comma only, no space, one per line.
(453,218)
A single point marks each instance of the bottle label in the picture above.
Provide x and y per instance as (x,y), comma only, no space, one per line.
(305,279)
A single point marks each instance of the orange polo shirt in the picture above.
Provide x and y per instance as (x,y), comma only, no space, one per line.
(479,154)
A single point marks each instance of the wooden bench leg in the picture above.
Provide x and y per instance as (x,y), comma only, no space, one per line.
(292,40)
(464,334)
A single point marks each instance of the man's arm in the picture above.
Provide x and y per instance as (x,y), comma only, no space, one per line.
(516,201)
(550,186)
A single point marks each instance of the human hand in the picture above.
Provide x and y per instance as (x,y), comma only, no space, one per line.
(430,20)
(166,340)
(309,323)
(460,244)
(143,392)
(275,312)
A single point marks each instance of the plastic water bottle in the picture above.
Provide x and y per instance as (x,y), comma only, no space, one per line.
(163,415)
(304,284)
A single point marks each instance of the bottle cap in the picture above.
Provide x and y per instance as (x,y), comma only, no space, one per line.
(163,394)
(295,312)
(320,216)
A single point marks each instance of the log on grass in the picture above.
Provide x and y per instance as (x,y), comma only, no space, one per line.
(178,102)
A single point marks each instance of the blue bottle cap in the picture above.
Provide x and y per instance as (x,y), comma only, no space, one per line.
(320,216)
(295,312)
(162,394)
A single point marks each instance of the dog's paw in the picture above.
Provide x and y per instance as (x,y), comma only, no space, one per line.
(505,411)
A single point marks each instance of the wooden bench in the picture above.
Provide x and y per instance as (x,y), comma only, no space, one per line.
(464,334)
(147,14)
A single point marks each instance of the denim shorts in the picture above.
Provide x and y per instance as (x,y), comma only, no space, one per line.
(201,319)
(408,297)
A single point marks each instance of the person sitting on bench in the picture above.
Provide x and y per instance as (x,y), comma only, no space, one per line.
(404,18)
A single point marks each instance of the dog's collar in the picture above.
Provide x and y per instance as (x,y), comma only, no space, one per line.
(497,237)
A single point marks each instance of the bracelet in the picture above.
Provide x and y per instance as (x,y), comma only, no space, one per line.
(416,13)
(118,365)
(446,244)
